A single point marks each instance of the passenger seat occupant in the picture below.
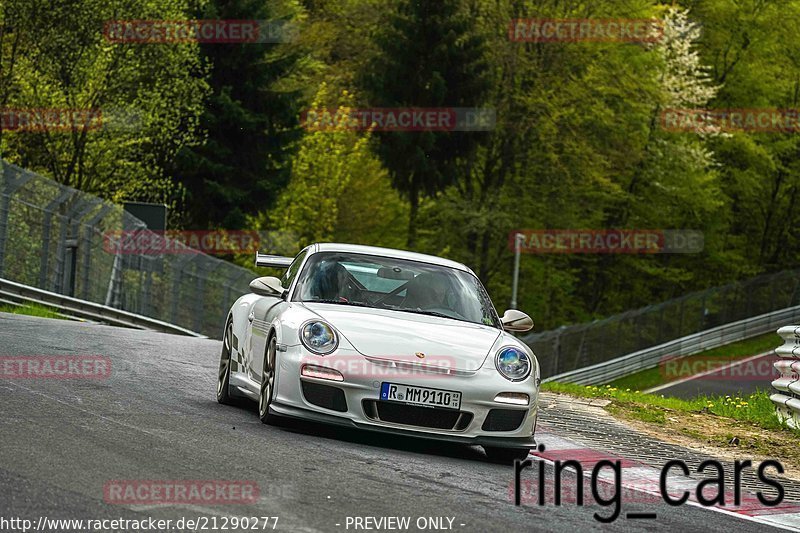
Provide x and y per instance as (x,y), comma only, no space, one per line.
(427,291)
(330,282)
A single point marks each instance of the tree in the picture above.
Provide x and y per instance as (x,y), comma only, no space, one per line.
(55,55)
(429,56)
(250,119)
(753,52)
(567,122)
(672,183)
(338,189)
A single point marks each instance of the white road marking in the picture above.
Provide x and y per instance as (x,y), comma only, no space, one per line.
(706,373)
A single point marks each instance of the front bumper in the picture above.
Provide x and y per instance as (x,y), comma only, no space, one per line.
(361,390)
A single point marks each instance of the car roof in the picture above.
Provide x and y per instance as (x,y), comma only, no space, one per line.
(388,252)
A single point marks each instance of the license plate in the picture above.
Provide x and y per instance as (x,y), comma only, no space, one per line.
(395,392)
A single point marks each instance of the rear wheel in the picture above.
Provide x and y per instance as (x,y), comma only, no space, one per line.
(268,382)
(506,455)
(224,374)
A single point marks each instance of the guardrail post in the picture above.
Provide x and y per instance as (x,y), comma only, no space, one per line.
(61,255)
(71,265)
(87,250)
(114,282)
(48,223)
(74,216)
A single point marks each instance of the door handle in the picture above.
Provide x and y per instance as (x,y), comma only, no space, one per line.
(251,316)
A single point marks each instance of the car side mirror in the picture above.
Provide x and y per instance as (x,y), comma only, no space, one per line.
(267,286)
(514,320)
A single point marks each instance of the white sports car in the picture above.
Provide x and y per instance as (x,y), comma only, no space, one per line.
(384,340)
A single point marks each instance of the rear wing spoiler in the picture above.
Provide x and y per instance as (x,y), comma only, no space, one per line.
(273,261)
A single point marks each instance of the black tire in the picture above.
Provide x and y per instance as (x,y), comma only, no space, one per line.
(267,389)
(506,455)
(224,374)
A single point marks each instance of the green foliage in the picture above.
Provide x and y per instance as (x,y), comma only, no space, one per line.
(429,56)
(37,310)
(214,131)
(250,120)
(338,189)
(54,55)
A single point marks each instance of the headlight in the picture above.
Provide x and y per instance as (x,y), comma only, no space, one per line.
(513,363)
(319,337)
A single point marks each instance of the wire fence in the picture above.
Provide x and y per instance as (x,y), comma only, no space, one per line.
(573,347)
(56,238)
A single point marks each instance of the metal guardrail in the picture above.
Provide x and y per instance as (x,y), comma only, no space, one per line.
(573,347)
(19,293)
(54,238)
(690,344)
(787,399)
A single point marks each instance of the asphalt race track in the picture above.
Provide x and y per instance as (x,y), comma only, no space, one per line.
(740,378)
(156,418)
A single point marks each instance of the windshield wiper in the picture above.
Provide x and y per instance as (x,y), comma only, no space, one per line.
(430,313)
(341,302)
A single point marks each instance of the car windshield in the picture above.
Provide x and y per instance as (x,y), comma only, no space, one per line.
(395,284)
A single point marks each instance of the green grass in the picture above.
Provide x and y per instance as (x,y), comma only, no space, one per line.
(647,413)
(652,377)
(755,408)
(31,310)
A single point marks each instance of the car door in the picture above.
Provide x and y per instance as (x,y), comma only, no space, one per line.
(263,313)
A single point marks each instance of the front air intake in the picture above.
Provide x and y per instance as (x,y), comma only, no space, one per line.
(324,396)
(503,420)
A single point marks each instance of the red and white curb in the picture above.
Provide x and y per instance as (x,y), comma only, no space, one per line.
(641,484)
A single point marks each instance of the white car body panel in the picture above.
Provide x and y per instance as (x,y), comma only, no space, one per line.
(391,334)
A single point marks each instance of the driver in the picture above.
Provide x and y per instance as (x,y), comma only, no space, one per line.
(330,282)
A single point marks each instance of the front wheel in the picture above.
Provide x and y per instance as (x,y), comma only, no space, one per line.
(506,455)
(268,382)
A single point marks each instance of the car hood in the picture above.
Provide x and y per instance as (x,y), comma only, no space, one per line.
(400,336)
